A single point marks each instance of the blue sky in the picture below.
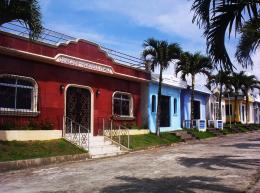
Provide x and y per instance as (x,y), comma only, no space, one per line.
(124,25)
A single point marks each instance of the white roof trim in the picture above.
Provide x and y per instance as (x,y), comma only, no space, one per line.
(169,80)
(173,81)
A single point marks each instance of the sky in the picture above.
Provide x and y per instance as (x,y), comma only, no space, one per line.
(124,25)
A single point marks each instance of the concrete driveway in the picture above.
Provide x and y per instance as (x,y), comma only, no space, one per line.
(225,164)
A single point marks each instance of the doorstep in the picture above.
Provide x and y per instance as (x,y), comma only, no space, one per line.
(29,163)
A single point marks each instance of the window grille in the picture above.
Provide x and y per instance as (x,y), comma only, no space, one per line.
(18,95)
(122,104)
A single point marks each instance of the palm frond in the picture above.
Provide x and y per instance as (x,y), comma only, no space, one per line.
(160,53)
(249,41)
(25,12)
(221,17)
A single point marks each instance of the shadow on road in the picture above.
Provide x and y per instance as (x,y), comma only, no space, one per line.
(244,145)
(256,139)
(223,161)
(168,185)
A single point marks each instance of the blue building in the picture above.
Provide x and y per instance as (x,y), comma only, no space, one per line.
(202,94)
(170,118)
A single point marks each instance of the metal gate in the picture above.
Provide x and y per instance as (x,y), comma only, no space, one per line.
(77,121)
(78,105)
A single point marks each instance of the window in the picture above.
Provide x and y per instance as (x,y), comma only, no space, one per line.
(175,106)
(212,108)
(153,103)
(18,93)
(122,104)
(196,106)
(229,110)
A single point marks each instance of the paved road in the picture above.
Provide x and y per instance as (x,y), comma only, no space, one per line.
(219,165)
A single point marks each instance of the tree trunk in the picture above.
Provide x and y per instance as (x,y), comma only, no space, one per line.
(247,105)
(219,102)
(192,99)
(158,115)
(235,111)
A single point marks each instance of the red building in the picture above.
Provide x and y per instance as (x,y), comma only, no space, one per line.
(43,82)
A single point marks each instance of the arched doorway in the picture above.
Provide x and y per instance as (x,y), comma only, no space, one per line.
(78,105)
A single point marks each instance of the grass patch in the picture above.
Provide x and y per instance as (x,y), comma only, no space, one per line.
(148,140)
(242,128)
(201,134)
(227,130)
(19,150)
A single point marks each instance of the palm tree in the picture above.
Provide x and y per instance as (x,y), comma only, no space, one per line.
(221,79)
(159,53)
(249,84)
(218,17)
(23,11)
(237,82)
(192,64)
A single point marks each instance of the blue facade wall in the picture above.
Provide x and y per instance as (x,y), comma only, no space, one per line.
(175,118)
(185,104)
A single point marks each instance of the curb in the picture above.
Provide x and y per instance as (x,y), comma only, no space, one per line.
(197,141)
(29,163)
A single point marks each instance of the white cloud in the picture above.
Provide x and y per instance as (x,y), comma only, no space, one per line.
(172,17)
(169,16)
(106,40)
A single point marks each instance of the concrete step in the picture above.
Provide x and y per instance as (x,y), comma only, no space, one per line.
(215,131)
(100,147)
(99,143)
(103,148)
(96,138)
(106,155)
(185,136)
(236,130)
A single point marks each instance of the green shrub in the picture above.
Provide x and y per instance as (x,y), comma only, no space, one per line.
(7,126)
(46,125)
(32,125)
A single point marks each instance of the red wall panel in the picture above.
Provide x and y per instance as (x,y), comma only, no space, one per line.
(51,100)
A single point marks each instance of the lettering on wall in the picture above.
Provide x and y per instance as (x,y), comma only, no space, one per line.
(83,64)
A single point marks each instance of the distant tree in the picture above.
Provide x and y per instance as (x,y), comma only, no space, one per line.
(237,82)
(221,17)
(159,53)
(249,83)
(193,64)
(221,79)
(23,11)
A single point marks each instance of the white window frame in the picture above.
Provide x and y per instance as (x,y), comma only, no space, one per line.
(131,106)
(23,112)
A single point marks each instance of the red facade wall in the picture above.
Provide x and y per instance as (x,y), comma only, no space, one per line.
(50,77)
(51,101)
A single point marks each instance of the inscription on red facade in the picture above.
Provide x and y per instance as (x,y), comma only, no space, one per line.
(83,63)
